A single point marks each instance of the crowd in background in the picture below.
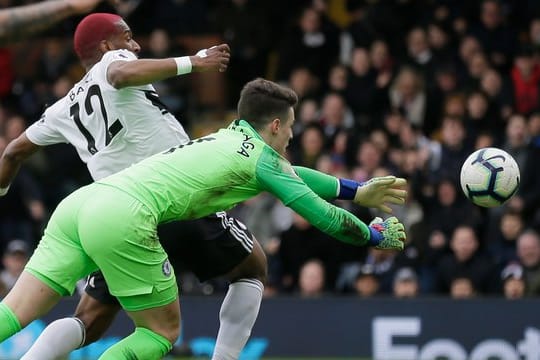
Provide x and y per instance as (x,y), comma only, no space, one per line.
(399,87)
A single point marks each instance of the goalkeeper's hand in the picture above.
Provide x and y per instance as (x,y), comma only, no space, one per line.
(381,191)
(388,234)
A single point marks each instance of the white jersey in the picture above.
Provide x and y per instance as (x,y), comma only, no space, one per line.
(110,128)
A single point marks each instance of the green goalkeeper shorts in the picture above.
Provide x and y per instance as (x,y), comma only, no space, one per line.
(99,226)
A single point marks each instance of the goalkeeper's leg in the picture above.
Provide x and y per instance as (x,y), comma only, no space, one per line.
(29,299)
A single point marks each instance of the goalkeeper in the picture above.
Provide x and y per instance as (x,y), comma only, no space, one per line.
(111,224)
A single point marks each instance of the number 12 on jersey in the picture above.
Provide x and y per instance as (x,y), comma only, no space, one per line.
(75,113)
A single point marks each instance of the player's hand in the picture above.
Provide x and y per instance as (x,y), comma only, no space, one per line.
(381,191)
(388,234)
(83,6)
(215,58)
(4,190)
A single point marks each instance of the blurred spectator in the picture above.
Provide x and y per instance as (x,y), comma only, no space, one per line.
(312,143)
(307,113)
(533,125)
(368,159)
(381,61)
(462,288)
(527,199)
(337,79)
(366,283)
(526,81)
(407,93)
(496,37)
(362,91)
(502,244)
(440,43)
(468,48)
(311,282)
(514,286)
(465,261)
(446,80)
(498,92)
(420,55)
(405,283)
(477,67)
(534,33)
(16,255)
(528,251)
(335,116)
(448,209)
(308,44)
(453,150)
(303,82)
(478,119)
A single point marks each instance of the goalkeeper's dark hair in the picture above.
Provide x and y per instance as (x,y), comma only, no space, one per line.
(261,101)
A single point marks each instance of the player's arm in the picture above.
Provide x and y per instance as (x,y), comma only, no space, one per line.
(21,21)
(277,177)
(122,74)
(376,193)
(15,153)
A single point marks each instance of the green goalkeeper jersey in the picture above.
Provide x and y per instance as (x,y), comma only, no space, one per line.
(218,171)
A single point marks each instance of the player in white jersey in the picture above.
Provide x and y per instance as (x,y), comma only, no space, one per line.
(114,119)
(110,128)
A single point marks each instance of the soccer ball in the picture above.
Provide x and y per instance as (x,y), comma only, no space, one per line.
(489,177)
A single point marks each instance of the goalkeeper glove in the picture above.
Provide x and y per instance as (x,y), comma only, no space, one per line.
(376,192)
(388,234)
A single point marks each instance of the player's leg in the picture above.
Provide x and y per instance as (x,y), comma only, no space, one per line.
(240,307)
(219,245)
(95,312)
(157,328)
(29,299)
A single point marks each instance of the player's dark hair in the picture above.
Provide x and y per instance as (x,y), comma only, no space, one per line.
(261,101)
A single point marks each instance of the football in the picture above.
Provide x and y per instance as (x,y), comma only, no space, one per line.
(489,177)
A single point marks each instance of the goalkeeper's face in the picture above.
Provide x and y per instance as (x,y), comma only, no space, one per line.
(284,133)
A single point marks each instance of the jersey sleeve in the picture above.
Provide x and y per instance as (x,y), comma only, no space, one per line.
(117,55)
(109,58)
(324,185)
(276,175)
(45,131)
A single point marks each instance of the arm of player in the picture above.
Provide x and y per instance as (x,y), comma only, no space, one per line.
(138,72)
(378,192)
(21,21)
(15,153)
(277,177)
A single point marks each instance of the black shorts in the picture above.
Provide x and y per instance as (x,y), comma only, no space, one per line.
(208,247)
